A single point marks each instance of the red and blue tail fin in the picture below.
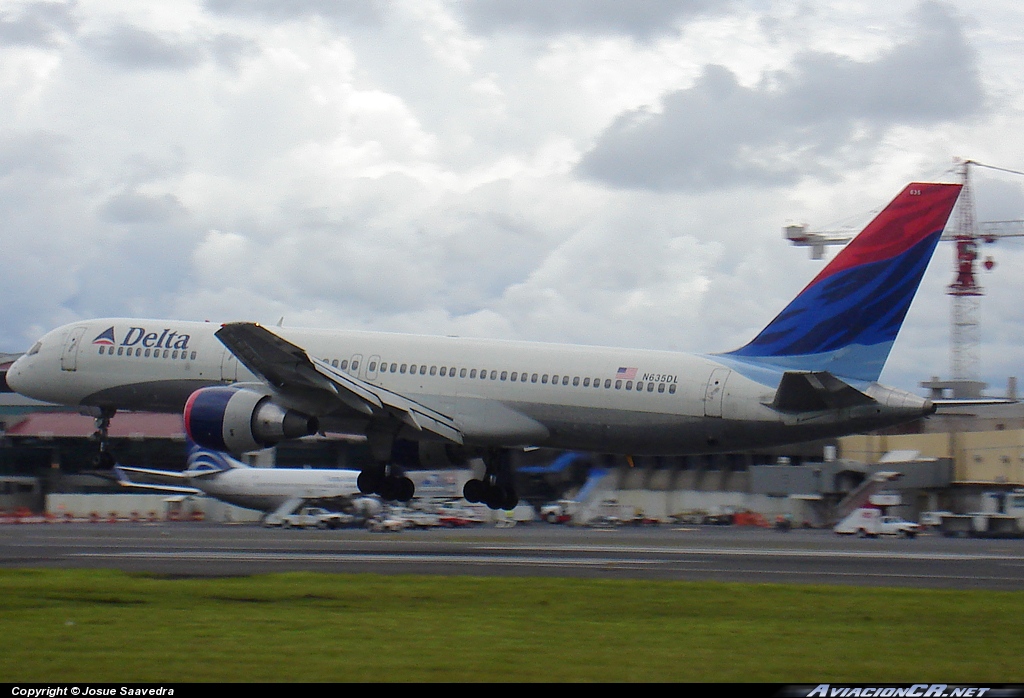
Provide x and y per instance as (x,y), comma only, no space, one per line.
(846,320)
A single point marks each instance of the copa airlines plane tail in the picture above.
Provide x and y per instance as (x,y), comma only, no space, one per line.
(811,373)
(268,490)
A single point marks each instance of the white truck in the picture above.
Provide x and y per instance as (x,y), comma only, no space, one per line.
(310,517)
(869,522)
(1002,516)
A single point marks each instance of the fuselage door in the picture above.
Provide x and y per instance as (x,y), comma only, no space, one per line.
(69,357)
(715,391)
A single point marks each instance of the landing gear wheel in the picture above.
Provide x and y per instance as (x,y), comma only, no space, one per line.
(474,491)
(388,482)
(370,480)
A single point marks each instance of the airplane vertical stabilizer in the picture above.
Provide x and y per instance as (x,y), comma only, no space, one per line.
(846,320)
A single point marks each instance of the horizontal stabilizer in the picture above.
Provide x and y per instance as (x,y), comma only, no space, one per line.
(125,481)
(816,391)
(972,402)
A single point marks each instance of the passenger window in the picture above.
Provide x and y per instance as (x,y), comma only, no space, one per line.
(618,385)
(575,381)
(193,356)
(504,375)
(355,366)
(544,378)
(554,380)
(344,365)
(565,380)
(522,377)
(629,385)
(334,363)
(444,371)
(514,377)
(533,378)
(423,369)
(494,375)
(672,389)
(650,387)
(639,386)
(394,367)
(661,387)
(412,368)
(451,372)
(433,370)
(402,369)
(120,351)
(607,382)
(373,366)
(586,382)
(462,373)
(472,374)
(147,353)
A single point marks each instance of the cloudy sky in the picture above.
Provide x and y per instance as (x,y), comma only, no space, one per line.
(589,171)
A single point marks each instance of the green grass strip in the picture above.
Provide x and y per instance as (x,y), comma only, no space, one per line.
(105,626)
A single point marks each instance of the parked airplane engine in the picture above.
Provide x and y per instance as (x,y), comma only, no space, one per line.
(238,420)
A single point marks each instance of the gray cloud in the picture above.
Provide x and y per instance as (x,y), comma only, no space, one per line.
(821,115)
(133,48)
(359,12)
(36,24)
(642,19)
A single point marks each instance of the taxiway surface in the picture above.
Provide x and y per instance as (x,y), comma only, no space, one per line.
(706,553)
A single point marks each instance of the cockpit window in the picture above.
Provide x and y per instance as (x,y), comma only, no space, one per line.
(35,348)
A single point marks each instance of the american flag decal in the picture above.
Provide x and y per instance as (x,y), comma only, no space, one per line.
(626,373)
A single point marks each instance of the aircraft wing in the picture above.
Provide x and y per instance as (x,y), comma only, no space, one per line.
(126,481)
(289,367)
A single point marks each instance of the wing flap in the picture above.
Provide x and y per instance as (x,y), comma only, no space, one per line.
(289,367)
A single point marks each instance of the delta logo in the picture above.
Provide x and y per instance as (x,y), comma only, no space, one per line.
(166,339)
(105,338)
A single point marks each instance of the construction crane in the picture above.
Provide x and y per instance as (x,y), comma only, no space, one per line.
(966,292)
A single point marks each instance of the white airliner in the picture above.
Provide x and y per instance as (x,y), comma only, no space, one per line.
(270,490)
(811,373)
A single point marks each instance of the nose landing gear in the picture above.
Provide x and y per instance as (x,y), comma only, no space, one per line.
(104,460)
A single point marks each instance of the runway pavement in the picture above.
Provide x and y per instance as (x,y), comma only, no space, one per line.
(705,553)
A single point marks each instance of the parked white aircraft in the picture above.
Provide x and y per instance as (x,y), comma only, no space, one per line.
(270,490)
(811,373)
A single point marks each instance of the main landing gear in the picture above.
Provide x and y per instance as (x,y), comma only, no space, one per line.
(388,481)
(384,478)
(103,460)
(497,488)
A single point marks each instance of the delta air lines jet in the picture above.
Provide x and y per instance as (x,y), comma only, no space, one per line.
(811,373)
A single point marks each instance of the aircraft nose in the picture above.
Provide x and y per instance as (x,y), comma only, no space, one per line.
(11,379)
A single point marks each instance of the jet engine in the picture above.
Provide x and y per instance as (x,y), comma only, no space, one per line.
(238,420)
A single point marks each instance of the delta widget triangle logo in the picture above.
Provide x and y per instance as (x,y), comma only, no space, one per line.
(106,338)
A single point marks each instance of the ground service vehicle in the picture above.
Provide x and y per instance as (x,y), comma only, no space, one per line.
(869,522)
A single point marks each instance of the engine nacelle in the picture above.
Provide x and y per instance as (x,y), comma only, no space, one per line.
(238,420)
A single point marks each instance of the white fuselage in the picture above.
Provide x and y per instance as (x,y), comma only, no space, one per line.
(265,489)
(499,393)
